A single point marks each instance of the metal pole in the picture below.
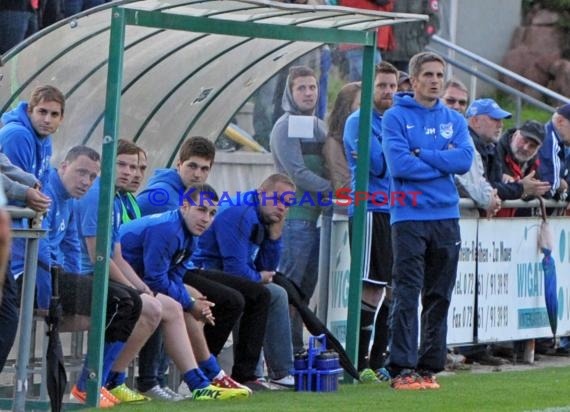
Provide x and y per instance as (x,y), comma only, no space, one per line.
(106,193)
(359,218)
(26,316)
(500,69)
(518,105)
(472,84)
(324,268)
(452,32)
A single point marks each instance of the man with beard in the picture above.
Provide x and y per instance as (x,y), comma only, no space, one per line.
(378,252)
(517,152)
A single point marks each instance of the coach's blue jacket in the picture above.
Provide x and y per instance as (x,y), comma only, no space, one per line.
(424,149)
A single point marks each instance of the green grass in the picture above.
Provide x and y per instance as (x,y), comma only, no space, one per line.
(528,112)
(465,391)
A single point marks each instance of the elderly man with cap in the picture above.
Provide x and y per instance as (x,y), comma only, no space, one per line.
(473,184)
(517,151)
(509,162)
(552,166)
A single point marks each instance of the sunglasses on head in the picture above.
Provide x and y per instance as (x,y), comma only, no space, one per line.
(452,100)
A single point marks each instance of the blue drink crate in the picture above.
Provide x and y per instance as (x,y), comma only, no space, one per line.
(319,370)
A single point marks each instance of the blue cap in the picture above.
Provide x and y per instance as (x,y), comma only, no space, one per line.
(488,107)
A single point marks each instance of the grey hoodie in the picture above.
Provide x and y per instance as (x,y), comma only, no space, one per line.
(300,158)
(16,182)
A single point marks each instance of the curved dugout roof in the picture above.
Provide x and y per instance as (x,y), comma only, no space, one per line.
(175,83)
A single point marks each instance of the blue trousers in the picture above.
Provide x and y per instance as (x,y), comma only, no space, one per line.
(355,58)
(72,7)
(277,346)
(15,26)
(425,264)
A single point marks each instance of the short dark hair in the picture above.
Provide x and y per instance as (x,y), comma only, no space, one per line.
(197,146)
(46,93)
(127,147)
(419,59)
(299,71)
(386,68)
(82,150)
(202,191)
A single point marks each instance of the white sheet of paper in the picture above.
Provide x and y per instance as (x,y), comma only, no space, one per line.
(301,127)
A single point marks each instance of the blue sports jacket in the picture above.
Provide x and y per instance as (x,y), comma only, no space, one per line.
(237,243)
(157,247)
(424,149)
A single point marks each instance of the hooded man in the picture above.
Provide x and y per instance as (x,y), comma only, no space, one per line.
(26,135)
(166,187)
(296,144)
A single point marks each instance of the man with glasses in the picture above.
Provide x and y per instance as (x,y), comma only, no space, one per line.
(455,95)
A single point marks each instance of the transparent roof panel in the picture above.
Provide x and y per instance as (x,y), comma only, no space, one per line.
(175,83)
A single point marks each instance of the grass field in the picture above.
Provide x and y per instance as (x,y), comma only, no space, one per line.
(534,390)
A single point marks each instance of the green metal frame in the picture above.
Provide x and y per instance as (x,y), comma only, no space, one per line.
(154,19)
(346,30)
(106,194)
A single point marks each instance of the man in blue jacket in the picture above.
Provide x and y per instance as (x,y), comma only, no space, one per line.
(378,253)
(159,246)
(72,180)
(234,298)
(245,240)
(552,166)
(425,145)
(166,187)
(158,309)
(26,135)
